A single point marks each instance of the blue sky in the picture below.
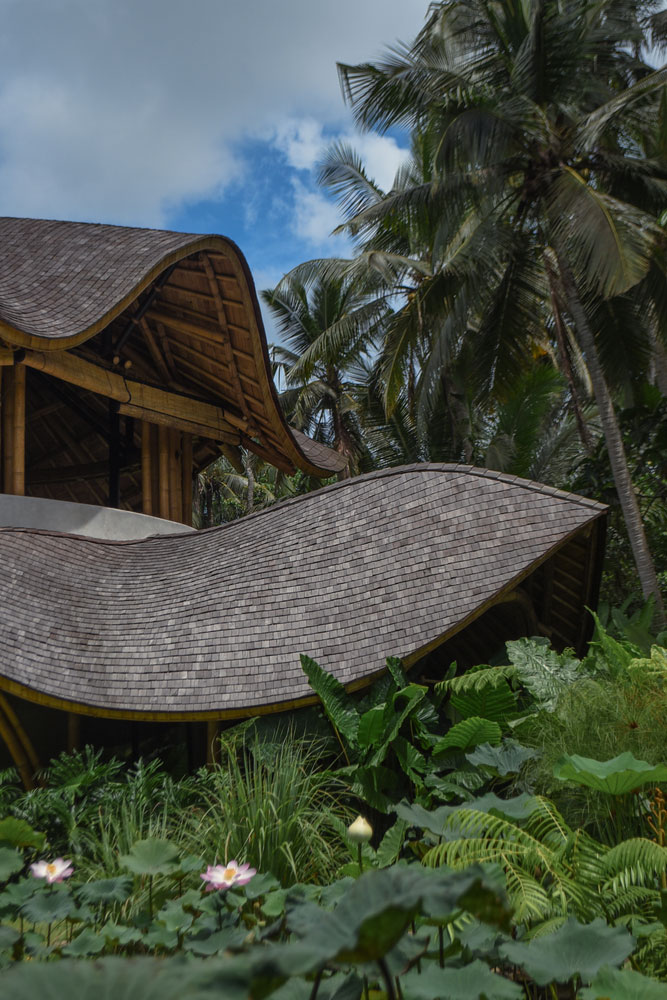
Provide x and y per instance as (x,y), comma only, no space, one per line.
(206,116)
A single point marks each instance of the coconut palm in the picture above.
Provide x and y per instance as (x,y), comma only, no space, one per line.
(327,320)
(545,195)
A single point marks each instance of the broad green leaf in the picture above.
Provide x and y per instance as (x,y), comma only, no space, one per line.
(468,734)
(371,726)
(545,673)
(160,937)
(85,944)
(228,939)
(11,862)
(151,857)
(473,982)
(261,884)
(618,776)
(496,702)
(623,984)
(106,890)
(440,820)
(375,786)
(8,937)
(395,668)
(52,903)
(412,695)
(391,844)
(573,950)
(173,917)
(508,758)
(334,698)
(17,833)
(105,979)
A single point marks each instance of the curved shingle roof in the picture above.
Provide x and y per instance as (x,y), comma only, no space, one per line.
(63,283)
(212,623)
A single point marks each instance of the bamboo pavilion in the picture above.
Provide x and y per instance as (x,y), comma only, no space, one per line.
(130,359)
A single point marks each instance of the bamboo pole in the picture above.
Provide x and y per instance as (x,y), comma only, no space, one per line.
(7,430)
(175,476)
(18,432)
(16,751)
(163,459)
(187,479)
(19,729)
(146,468)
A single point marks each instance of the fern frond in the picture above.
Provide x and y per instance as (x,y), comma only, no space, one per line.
(477,680)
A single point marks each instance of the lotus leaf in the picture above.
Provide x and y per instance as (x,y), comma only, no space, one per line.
(105,979)
(574,949)
(8,937)
(85,944)
(54,903)
(439,820)
(151,857)
(106,890)
(11,862)
(623,984)
(618,776)
(17,833)
(473,982)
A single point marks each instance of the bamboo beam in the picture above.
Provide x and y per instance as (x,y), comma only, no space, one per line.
(146,468)
(19,729)
(233,455)
(6,356)
(175,476)
(18,432)
(69,368)
(193,329)
(163,459)
(8,431)
(16,751)
(156,353)
(186,467)
(221,432)
(226,342)
(76,473)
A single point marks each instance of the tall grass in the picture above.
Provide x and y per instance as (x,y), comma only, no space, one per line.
(270,804)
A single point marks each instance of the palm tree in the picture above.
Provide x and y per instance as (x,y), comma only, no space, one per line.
(545,195)
(328,320)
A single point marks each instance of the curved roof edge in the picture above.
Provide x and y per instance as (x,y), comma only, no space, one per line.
(312,457)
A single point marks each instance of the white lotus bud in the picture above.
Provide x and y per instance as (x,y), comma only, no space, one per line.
(361,831)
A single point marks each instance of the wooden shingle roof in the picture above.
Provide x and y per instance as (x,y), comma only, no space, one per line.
(211,624)
(183,307)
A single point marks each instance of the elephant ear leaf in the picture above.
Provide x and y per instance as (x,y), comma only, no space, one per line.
(618,776)
(573,950)
(334,699)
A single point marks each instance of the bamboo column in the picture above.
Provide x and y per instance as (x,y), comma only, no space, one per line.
(73,731)
(146,468)
(175,476)
(18,432)
(163,464)
(7,430)
(187,479)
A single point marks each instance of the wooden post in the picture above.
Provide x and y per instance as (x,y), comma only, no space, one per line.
(163,447)
(114,455)
(146,468)
(7,433)
(187,479)
(18,432)
(175,490)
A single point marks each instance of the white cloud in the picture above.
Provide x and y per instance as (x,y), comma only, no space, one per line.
(315,218)
(119,110)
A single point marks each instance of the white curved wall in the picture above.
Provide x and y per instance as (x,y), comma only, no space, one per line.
(82,519)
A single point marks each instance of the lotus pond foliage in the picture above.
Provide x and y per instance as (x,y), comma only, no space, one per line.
(469,872)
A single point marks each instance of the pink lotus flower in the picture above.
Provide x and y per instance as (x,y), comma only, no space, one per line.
(53,871)
(225,876)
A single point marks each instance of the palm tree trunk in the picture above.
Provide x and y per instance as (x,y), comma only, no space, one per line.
(614,442)
(250,481)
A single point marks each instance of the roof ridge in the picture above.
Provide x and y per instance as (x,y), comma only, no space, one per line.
(419,467)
